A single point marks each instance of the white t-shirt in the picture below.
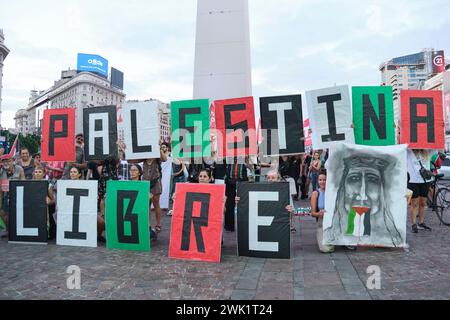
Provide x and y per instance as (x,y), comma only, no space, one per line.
(413,163)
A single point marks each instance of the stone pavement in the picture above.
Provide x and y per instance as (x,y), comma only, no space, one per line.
(420,272)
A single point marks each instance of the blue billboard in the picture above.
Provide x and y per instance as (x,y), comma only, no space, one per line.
(92,63)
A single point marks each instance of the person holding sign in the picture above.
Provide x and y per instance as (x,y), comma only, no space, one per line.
(314,168)
(318,210)
(76,174)
(39,174)
(418,162)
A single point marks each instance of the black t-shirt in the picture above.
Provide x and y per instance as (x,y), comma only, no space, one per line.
(93,166)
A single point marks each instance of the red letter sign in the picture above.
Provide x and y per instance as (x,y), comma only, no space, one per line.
(196,232)
(235,124)
(422,123)
(58,136)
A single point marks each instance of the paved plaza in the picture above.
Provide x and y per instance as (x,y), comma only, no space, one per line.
(420,272)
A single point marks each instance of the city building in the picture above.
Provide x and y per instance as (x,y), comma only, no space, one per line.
(164,117)
(4,51)
(77,90)
(408,73)
(21,119)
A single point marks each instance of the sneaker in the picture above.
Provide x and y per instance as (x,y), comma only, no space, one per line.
(423,226)
(153,234)
(352,248)
(169,213)
(414,228)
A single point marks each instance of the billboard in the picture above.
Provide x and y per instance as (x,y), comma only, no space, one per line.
(92,63)
(438,61)
(116,78)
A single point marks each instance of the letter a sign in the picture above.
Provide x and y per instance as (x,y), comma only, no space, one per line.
(422,123)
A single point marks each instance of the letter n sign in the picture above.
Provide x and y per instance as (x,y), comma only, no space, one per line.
(373,116)
(196,232)
(127,215)
(422,123)
(58,135)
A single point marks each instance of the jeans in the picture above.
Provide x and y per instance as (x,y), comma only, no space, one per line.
(314,177)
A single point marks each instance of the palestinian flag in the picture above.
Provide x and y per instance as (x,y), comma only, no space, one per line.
(358,221)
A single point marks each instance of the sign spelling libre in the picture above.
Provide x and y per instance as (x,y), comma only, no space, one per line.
(196,231)
(422,122)
(58,135)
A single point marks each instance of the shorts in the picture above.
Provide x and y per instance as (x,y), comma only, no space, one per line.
(156,188)
(419,189)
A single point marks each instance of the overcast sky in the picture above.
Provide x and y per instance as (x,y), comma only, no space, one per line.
(296,45)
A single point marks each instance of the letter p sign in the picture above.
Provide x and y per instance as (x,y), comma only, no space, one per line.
(58,136)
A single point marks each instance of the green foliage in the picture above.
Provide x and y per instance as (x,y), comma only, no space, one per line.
(31,142)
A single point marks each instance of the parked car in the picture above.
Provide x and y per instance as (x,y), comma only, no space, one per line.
(445,167)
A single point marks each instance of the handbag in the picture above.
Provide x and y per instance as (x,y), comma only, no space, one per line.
(426,174)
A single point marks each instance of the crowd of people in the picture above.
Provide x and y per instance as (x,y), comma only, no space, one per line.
(305,173)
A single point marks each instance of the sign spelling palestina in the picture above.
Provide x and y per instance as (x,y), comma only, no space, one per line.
(373,116)
(422,120)
(58,135)
(330,116)
(282,124)
(365,200)
(235,127)
(127,220)
(141,130)
(196,230)
(190,129)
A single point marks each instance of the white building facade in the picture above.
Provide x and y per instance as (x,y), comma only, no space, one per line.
(4,51)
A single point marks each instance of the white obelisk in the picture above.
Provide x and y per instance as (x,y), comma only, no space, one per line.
(222,50)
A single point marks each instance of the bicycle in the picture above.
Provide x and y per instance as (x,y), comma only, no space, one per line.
(439,201)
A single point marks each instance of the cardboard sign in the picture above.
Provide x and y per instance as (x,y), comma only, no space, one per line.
(282,119)
(422,122)
(190,129)
(235,127)
(77,213)
(100,132)
(58,135)
(141,130)
(373,116)
(127,221)
(330,116)
(263,221)
(28,211)
(196,231)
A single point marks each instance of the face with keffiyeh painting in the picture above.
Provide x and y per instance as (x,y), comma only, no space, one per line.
(362,211)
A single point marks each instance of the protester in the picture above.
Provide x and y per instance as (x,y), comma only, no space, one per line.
(314,169)
(76,174)
(79,158)
(107,170)
(39,175)
(306,174)
(235,173)
(8,172)
(318,211)
(178,176)
(416,160)
(26,162)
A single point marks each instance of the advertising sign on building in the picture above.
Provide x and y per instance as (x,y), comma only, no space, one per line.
(438,61)
(92,63)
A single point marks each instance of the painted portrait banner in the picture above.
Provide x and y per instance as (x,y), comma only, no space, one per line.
(190,129)
(373,116)
(263,221)
(282,117)
(422,119)
(235,127)
(58,135)
(100,132)
(77,213)
(330,116)
(141,130)
(127,221)
(197,222)
(365,201)
(28,211)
